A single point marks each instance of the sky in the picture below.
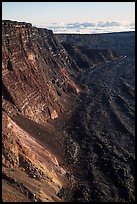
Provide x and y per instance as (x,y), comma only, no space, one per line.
(73,17)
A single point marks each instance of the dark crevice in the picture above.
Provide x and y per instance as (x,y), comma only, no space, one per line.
(6,94)
(9,66)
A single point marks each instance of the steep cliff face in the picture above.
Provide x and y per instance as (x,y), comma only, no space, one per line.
(33,80)
(86,57)
(118,42)
(38,88)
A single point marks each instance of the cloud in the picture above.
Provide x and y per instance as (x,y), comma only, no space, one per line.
(132,24)
(80,25)
(90,27)
(108,24)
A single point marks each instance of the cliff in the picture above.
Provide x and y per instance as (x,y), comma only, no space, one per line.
(38,87)
(117,42)
(67,116)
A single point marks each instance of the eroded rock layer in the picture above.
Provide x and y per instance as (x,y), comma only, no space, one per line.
(38,87)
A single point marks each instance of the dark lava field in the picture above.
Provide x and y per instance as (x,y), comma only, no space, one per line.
(103,129)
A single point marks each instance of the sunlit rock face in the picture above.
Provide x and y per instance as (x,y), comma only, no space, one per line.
(28,167)
(35,92)
(32,78)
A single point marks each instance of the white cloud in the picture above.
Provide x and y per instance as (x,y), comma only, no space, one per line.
(132,24)
(89,27)
(108,24)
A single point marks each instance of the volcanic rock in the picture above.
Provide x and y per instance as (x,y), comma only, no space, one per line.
(67,115)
